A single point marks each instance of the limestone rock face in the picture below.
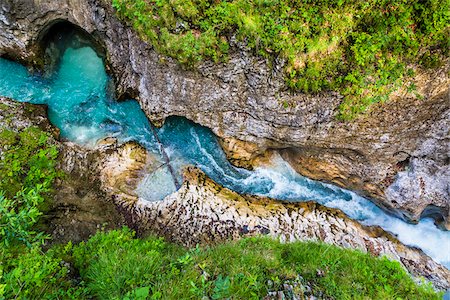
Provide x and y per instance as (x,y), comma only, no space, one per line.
(18,116)
(240,153)
(401,144)
(122,168)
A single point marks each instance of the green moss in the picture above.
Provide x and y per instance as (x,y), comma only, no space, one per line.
(7,137)
(27,161)
(115,265)
(27,172)
(359,48)
(3,107)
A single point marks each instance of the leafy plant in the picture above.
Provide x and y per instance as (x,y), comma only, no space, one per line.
(27,162)
(117,265)
(18,217)
(27,171)
(221,287)
(359,48)
(30,273)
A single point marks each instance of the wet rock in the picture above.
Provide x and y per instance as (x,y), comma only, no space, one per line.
(204,212)
(239,153)
(121,170)
(242,100)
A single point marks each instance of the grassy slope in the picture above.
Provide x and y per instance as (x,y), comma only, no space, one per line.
(359,48)
(116,265)
(113,264)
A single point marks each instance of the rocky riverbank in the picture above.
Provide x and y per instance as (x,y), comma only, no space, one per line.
(397,154)
(204,212)
(79,208)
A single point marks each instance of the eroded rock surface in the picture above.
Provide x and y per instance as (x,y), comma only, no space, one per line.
(204,212)
(241,154)
(402,144)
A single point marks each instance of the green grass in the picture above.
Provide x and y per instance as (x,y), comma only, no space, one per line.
(27,172)
(115,265)
(29,273)
(360,48)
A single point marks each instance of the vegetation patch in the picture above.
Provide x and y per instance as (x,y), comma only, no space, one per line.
(115,265)
(360,48)
(27,172)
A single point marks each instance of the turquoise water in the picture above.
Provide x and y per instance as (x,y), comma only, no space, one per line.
(81,103)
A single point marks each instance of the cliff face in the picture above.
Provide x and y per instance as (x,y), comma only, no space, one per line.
(398,154)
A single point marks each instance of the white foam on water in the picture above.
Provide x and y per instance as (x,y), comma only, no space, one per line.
(84,135)
(424,235)
(290,185)
(354,209)
(211,158)
(282,186)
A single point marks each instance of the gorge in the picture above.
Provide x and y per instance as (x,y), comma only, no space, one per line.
(79,105)
(185,137)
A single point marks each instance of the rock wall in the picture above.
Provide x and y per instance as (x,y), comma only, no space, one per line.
(398,154)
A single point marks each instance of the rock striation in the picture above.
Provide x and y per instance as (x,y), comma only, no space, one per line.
(203,212)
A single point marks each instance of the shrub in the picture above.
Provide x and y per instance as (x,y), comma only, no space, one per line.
(359,48)
(27,171)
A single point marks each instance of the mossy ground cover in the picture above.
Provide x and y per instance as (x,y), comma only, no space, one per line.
(363,49)
(116,265)
(27,172)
